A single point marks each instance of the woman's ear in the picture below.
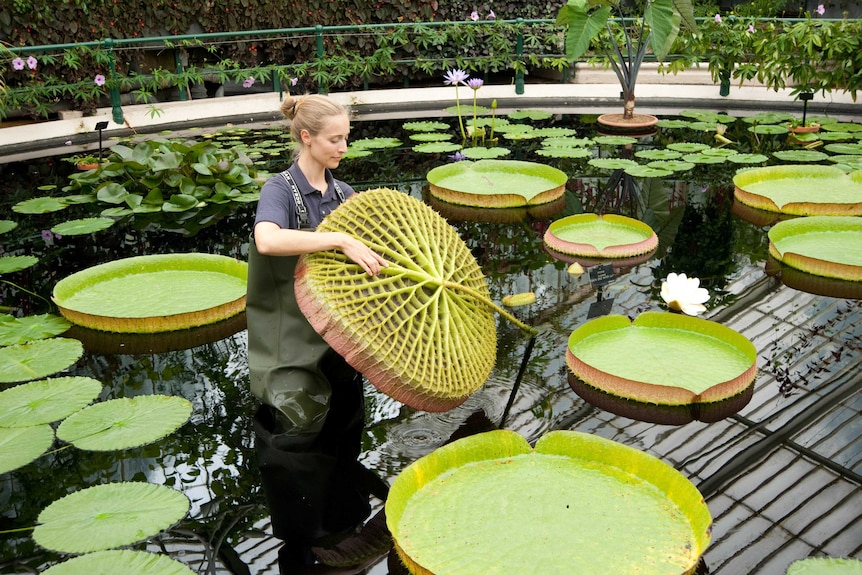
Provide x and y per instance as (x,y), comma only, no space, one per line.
(306,137)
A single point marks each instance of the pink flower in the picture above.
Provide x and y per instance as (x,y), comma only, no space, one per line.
(474,16)
(821,9)
(491,15)
(293,81)
(18,64)
(249,82)
(99,80)
(718,18)
(31,63)
(750,29)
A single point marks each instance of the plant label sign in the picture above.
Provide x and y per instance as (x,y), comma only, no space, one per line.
(601,275)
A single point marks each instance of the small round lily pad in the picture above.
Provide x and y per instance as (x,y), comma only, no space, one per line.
(82,226)
(123,561)
(36,359)
(15,330)
(21,445)
(108,516)
(9,264)
(46,400)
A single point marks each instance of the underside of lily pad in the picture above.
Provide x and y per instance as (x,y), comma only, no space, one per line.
(810,283)
(155,293)
(801,190)
(600,236)
(829,246)
(662,358)
(497,183)
(576,503)
(423,331)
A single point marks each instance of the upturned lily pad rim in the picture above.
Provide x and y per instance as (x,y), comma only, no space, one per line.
(663,394)
(444,184)
(144,266)
(565,243)
(794,174)
(581,449)
(810,232)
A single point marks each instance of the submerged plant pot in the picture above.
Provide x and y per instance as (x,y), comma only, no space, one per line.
(809,129)
(576,503)
(155,293)
(637,125)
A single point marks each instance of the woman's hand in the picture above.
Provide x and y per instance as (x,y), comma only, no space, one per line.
(360,254)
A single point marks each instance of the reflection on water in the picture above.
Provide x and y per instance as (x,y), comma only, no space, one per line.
(808,342)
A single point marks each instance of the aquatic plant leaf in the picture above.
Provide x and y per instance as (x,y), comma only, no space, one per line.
(768,129)
(612,163)
(519,299)
(172,292)
(529,115)
(425,126)
(832,136)
(767,118)
(116,561)
(376,143)
(444,510)
(566,142)
(108,516)
(719,152)
(466,110)
(46,400)
(747,158)
(825,566)
(22,445)
(719,362)
(708,116)
(180,203)
(701,158)
(687,147)
(423,331)
(829,246)
(30,328)
(36,359)
(7,226)
(841,127)
(851,149)
(82,226)
(600,236)
(614,140)
(430,137)
(658,154)
(43,205)
(800,189)
(672,124)
(647,172)
(436,147)
(556,132)
(673,165)
(9,264)
(497,183)
(353,153)
(574,153)
(800,155)
(125,422)
(483,153)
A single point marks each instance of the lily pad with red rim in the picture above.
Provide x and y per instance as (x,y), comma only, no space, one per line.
(801,190)
(829,246)
(497,183)
(155,293)
(600,236)
(669,359)
(576,503)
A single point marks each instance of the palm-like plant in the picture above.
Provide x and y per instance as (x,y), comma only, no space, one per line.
(657,29)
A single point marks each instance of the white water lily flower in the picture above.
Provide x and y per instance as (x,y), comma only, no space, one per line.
(684,294)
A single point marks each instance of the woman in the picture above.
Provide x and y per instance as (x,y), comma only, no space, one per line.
(310,424)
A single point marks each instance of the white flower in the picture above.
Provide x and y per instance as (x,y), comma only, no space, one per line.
(684,294)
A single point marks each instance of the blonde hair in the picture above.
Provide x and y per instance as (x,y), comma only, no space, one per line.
(309,113)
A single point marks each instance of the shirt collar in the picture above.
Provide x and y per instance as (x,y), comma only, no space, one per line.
(305,188)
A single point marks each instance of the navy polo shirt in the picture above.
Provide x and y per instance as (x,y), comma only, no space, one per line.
(277,205)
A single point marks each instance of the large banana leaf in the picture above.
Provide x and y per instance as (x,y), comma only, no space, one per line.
(423,331)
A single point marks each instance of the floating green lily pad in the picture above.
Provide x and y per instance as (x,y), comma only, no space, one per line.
(529,115)
(615,140)
(829,246)
(125,422)
(46,400)
(148,294)
(37,359)
(747,158)
(647,172)
(850,149)
(497,183)
(436,147)
(41,205)
(123,561)
(485,153)
(825,566)
(576,503)
(658,154)
(10,264)
(430,137)
(376,143)
(7,226)
(425,126)
(672,124)
(566,142)
(800,155)
(673,165)
(671,359)
(82,226)
(768,129)
(574,153)
(612,163)
(107,516)
(30,328)
(702,158)
(801,190)
(600,236)
(555,132)
(21,445)
(687,147)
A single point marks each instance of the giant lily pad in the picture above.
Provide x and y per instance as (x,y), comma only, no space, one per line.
(156,293)
(577,503)
(123,561)
(825,566)
(497,183)
(125,422)
(810,283)
(21,445)
(829,246)
(600,236)
(663,358)
(423,330)
(801,190)
(37,359)
(46,400)
(107,516)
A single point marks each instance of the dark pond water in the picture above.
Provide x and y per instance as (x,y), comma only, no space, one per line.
(780,472)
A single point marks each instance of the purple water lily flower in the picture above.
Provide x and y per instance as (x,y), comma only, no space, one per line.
(99,80)
(457,157)
(18,64)
(454,77)
(475,83)
(31,63)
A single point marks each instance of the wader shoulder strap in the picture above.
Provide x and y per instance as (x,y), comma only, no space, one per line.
(301,210)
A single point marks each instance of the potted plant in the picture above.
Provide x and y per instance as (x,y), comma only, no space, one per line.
(84,161)
(657,28)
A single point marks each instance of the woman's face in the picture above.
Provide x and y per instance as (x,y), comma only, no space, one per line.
(327,146)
